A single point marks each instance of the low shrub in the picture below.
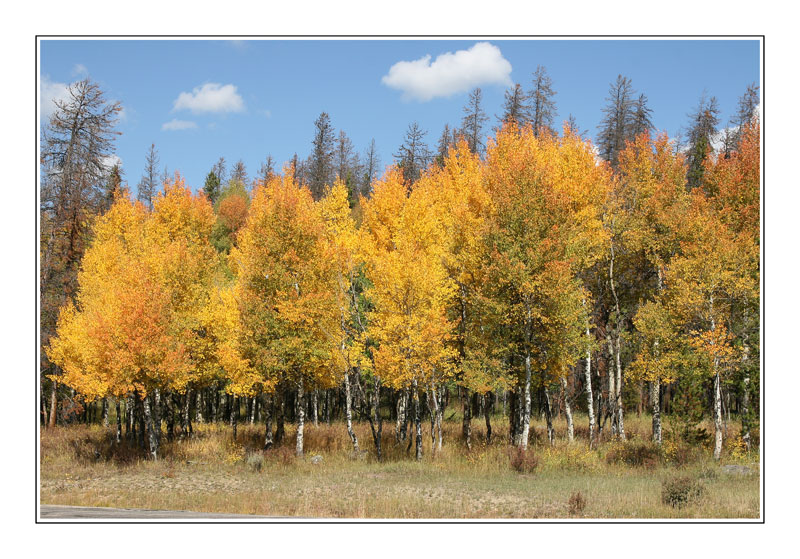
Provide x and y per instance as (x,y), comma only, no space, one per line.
(523,461)
(680,491)
(635,453)
(576,503)
(255,461)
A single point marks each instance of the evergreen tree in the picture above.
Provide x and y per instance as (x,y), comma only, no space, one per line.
(212,186)
(320,163)
(543,106)
(414,154)
(473,121)
(640,119)
(370,168)
(703,129)
(148,185)
(516,108)
(239,173)
(617,122)
(267,170)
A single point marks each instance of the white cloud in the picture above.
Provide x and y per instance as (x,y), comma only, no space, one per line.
(210,98)
(49,93)
(110,160)
(450,73)
(266,112)
(80,70)
(176,124)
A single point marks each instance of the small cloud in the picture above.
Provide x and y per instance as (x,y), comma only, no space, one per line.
(266,112)
(110,160)
(450,73)
(176,124)
(80,70)
(210,98)
(49,93)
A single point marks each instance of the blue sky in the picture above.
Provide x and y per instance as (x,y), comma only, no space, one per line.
(246,99)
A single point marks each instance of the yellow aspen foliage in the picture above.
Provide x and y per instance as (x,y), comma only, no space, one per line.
(410,287)
(285,287)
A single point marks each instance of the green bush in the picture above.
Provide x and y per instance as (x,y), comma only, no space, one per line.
(680,491)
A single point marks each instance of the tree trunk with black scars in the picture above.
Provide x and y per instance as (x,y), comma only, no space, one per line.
(417,420)
(152,439)
(267,407)
(567,410)
(301,420)
(119,421)
(655,402)
(348,413)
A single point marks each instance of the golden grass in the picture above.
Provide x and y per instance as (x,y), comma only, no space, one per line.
(80,465)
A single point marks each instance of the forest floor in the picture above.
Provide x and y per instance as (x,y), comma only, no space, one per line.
(81,465)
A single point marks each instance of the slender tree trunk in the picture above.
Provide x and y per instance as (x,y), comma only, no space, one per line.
(589,397)
(567,411)
(377,420)
(439,416)
(526,414)
(267,407)
(348,414)
(402,412)
(432,413)
(152,439)
(417,422)
(157,414)
(198,407)
(280,412)
(487,410)
(717,394)
(53,405)
(119,421)
(466,422)
(655,400)
(619,406)
(105,413)
(234,414)
(612,384)
(314,408)
(548,415)
(301,417)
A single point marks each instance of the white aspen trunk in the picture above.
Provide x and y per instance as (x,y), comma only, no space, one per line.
(432,410)
(198,407)
(151,435)
(588,387)
(439,413)
(376,416)
(348,414)
(718,427)
(612,385)
(267,407)
(526,413)
(53,405)
(746,401)
(417,422)
(314,408)
(400,428)
(568,411)
(620,407)
(301,417)
(655,400)
(119,421)
(105,413)
(157,414)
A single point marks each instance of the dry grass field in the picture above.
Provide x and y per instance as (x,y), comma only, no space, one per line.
(81,465)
